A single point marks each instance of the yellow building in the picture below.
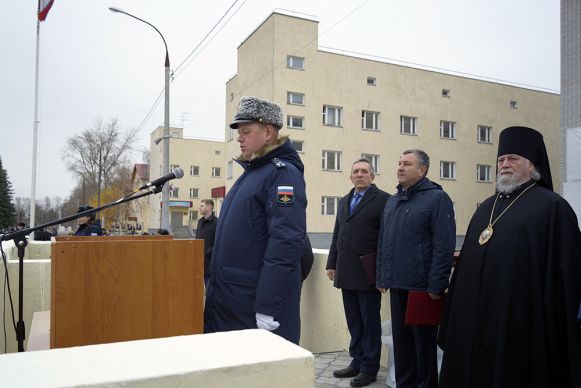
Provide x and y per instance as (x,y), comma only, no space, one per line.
(202,162)
(338,108)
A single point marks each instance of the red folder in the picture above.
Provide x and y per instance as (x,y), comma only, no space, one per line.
(423,310)
(369,262)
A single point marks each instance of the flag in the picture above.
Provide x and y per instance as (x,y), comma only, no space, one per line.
(43,8)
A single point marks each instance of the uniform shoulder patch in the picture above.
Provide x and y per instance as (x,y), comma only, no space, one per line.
(278,163)
(285,195)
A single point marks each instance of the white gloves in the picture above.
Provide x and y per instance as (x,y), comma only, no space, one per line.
(266,322)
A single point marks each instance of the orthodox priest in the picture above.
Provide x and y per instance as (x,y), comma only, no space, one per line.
(510,318)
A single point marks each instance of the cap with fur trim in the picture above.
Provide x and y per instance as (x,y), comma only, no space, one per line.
(255,110)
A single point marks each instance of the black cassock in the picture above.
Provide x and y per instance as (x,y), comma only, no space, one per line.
(510,319)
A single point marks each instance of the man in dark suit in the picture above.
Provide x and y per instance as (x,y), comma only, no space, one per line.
(206,231)
(355,235)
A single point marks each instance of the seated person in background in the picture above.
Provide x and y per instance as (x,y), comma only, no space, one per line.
(88,225)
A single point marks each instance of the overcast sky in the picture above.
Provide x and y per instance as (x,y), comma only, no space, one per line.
(97,64)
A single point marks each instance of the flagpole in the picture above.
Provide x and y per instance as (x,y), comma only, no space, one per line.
(35,130)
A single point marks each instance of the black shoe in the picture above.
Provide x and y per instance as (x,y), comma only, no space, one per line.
(363,380)
(347,372)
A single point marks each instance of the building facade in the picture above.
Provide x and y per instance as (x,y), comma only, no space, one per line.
(202,162)
(338,108)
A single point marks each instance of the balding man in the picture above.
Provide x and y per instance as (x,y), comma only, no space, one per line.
(512,306)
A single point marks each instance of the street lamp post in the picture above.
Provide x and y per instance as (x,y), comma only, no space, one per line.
(165,137)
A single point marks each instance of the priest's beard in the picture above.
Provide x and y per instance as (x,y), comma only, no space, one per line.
(506,184)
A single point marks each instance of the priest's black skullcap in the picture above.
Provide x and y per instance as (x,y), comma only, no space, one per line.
(528,143)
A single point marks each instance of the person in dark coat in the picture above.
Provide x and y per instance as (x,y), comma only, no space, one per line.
(206,230)
(415,252)
(255,278)
(88,224)
(510,319)
(355,235)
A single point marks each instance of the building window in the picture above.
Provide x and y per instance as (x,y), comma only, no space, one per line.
(229,170)
(484,134)
(193,192)
(483,173)
(295,98)
(329,205)
(370,120)
(332,115)
(193,215)
(174,192)
(447,130)
(172,166)
(295,122)
(295,62)
(332,160)
(514,104)
(298,144)
(445,93)
(230,134)
(217,152)
(371,81)
(408,125)
(216,172)
(448,170)
(374,160)
(194,170)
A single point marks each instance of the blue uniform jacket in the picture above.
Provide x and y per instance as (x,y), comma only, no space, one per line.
(417,239)
(259,242)
(93,229)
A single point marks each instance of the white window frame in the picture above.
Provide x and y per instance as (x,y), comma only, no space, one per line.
(327,202)
(291,96)
(216,172)
(446,93)
(513,104)
(194,170)
(447,170)
(193,215)
(229,170)
(483,173)
(334,119)
(447,126)
(373,117)
(293,122)
(374,160)
(331,157)
(371,81)
(302,145)
(408,121)
(488,134)
(174,192)
(172,166)
(194,192)
(294,62)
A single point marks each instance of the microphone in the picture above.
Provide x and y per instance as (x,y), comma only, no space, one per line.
(176,173)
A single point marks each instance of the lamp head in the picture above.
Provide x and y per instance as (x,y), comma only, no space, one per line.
(116,10)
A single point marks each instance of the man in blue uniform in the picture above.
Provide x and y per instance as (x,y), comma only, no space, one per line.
(88,225)
(255,274)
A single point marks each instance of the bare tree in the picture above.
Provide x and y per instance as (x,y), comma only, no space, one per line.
(96,153)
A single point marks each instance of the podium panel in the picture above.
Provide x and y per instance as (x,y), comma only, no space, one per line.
(124,288)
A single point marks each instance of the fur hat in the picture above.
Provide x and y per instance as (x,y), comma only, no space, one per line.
(254,109)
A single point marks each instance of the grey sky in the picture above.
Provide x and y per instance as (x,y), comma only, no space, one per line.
(97,64)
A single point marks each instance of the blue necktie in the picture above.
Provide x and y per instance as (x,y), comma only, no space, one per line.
(354,201)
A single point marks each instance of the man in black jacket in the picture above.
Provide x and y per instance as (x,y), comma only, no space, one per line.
(355,235)
(206,231)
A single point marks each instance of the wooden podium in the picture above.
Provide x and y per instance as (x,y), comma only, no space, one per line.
(121,288)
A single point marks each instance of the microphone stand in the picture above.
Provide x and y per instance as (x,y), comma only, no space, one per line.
(20,241)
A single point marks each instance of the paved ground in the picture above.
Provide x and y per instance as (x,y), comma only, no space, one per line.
(326,363)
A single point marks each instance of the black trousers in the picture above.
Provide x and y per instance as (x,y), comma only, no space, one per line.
(414,347)
(364,323)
